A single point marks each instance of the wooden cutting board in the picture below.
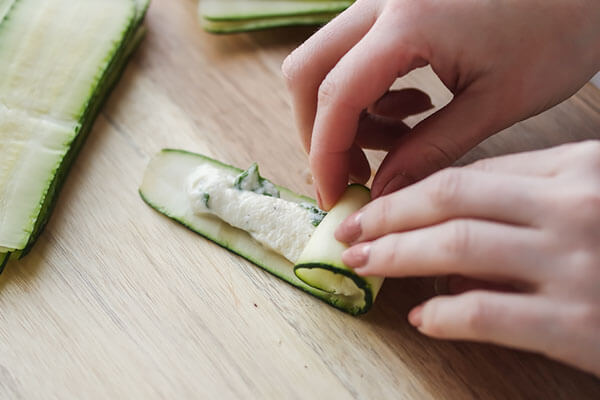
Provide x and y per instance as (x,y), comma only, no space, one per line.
(117,301)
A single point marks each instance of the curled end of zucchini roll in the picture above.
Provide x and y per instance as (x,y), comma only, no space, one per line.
(320,264)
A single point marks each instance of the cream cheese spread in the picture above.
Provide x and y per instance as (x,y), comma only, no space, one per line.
(280,225)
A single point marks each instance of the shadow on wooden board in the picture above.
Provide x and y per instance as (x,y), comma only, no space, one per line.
(461,370)
(290,36)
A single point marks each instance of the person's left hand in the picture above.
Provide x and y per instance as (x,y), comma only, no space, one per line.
(523,234)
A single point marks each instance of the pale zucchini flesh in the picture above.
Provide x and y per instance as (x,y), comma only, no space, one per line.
(58,60)
(164,189)
(5,5)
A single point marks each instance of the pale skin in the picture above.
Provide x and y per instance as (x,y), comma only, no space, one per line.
(520,234)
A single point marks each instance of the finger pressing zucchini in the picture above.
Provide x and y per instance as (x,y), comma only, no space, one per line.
(269,225)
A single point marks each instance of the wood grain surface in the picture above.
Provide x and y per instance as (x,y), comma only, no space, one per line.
(116,301)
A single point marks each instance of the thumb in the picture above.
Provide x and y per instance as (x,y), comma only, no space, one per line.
(438,141)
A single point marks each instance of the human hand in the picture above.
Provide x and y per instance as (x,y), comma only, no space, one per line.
(528,222)
(503,60)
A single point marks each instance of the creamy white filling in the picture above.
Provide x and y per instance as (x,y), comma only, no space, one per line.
(280,225)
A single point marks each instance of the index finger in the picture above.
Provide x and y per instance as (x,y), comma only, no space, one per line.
(358,80)
(306,67)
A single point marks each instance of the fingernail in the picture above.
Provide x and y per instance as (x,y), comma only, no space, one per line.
(319,200)
(357,256)
(324,205)
(415,316)
(396,183)
(349,230)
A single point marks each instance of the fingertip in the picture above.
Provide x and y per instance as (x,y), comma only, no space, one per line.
(415,316)
(330,176)
(328,196)
(319,200)
(325,202)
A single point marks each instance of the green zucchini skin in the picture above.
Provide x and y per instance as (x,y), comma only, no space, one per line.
(320,265)
(232,10)
(94,105)
(235,16)
(359,281)
(103,84)
(229,27)
(163,188)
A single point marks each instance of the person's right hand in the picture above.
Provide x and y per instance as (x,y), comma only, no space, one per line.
(503,60)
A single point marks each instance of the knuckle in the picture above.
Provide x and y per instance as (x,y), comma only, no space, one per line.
(484,165)
(591,148)
(590,201)
(408,9)
(587,151)
(586,316)
(392,258)
(432,321)
(583,264)
(478,315)
(329,92)
(395,7)
(583,271)
(382,214)
(439,156)
(446,187)
(459,240)
(587,203)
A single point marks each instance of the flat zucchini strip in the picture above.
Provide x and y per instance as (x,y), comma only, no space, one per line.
(59,59)
(226,27)
(164,189)
(231,10)
(231,16)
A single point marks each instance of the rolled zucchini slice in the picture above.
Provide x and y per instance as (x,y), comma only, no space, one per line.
(320,264)
(164,188)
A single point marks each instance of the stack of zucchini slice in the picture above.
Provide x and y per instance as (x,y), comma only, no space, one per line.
(58,61)
(230,16)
